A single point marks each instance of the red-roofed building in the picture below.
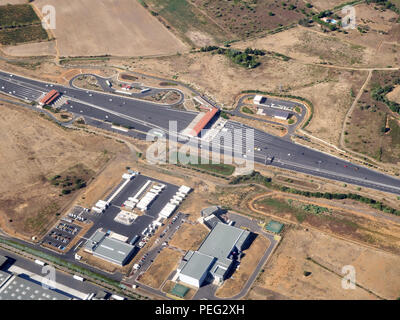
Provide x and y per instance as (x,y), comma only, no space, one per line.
(49,97)
(204,120)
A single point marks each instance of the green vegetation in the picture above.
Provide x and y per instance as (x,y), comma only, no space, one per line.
(341,196)
(256,177)
(387,5)
(17,15)
(224,114)
(246,58)
(282,206)
(12,36)
(324,14)
(379,93)
(19,23)
(203,165)
(184,17)
(247,110)
(394,132)
(314,209)
(73,179)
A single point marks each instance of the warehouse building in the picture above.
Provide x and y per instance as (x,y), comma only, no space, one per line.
(17,287)
(111,249)
(215,256)
(3,261)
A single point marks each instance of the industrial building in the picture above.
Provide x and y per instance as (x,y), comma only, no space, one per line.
(17,287)
(108,248)
(259,99)
(3,261)
(215,256)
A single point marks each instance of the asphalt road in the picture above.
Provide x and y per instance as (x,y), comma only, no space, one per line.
(142,115)
(97,104)
(61,277)
(278,102)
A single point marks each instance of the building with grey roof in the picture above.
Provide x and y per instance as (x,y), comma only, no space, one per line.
(209,211)
(109,249)
(215,256)
(3,260)
(16,287)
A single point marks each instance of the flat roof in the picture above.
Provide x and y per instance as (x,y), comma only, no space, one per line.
(108,248)
(4,276)
(213,254)
(19,288)
(198,264)
(222,239)
(3,260)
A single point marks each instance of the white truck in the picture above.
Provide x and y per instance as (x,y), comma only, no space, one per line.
(79,278)
(40,263)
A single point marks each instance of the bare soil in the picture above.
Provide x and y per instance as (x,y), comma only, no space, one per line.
(165,263)
(99,27)
(33,151)
(189,236)
(376,271)
(248,263)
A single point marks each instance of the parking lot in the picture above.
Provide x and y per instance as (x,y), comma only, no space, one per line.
(161,242)
(60,236)
(106,220)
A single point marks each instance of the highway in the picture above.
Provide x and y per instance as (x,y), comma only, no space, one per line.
(143,115)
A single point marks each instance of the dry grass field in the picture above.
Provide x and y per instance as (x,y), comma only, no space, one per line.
(189,237)
(34,150)
(245,18)
(345,218)
(165,263)
(321,5)
(253,255)
(395,94)
(114,27)
(44,48)
(373,130)
(283,277)
(4,2)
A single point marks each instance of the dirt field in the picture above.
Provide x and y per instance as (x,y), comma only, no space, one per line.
(33,151)
(189,237)
(373,130)
(321,5)
(345,218)
(234,285)
(4,2)
(245,18)
(394,95)
(31,49)
(165,263)
(380,34)
(115,27)
(376,271)
(331,100)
